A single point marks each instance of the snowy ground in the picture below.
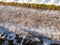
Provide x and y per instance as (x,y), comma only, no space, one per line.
(33,21)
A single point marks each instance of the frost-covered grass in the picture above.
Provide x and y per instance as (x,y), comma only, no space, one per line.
(44,21)
(33,21)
